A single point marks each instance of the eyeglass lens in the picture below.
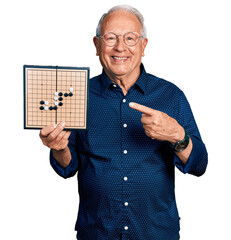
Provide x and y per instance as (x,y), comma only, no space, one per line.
(129,38)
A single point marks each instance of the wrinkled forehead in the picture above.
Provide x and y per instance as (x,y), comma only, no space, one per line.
(120,22)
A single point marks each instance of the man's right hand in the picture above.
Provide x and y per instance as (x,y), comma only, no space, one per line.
(54,137)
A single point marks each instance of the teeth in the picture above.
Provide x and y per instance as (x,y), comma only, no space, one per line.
(120,58)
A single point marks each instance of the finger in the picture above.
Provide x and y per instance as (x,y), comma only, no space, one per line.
(62,145)
(149,134)
(61,141)
(67,135)
(60,136)
(56,132)
(141,108)
(150,128)
(63,136)
(146,119)
(47,130)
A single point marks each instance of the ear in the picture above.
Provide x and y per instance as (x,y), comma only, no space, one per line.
(96,42)
(144,44)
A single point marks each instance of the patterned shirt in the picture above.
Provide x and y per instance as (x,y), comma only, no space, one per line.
(126,179)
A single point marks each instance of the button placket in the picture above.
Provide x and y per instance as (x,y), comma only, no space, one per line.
(125,162)
(124,125)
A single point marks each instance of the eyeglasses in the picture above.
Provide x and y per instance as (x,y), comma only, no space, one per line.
(129,38)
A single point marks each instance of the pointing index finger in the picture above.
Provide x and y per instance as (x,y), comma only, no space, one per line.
(141,108)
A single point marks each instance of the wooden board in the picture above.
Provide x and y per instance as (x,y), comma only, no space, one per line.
(55,94)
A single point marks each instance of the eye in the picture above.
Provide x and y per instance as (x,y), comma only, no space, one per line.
(110,37)
(130,38)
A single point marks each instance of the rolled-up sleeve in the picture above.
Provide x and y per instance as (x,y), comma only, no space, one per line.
(72,168)
(198,159)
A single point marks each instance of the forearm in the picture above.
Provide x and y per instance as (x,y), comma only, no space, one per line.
(63,157)
(65,162)
(178,136)
(184,155)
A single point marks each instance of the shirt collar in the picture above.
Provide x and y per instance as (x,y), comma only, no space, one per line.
(140,84)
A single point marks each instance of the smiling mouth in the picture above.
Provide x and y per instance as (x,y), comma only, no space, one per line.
(119,58)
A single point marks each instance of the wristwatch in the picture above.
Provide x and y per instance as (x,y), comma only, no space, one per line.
(181,145)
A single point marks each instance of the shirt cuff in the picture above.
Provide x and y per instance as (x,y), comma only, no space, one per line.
(198,159)
(70,170)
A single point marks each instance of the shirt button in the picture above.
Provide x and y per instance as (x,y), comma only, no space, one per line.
(126,204)
(125,125)
(114,85)
(126,228)
(125,178)
(124,100)
(125,151)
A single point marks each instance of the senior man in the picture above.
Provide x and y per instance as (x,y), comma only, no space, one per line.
(139,128)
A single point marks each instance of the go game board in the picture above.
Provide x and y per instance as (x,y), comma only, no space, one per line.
(53,94)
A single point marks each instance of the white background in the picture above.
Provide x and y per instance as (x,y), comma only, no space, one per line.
(189,44)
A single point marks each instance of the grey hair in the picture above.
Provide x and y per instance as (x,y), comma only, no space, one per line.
(125,8)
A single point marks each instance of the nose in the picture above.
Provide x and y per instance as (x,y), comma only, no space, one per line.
(120,45)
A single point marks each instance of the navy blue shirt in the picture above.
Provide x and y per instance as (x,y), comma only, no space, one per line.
(126,179)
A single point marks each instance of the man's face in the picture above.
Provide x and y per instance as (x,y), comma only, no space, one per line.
(120,60)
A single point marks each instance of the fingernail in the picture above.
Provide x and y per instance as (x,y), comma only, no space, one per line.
(55,125)
(131,104)
(63,124)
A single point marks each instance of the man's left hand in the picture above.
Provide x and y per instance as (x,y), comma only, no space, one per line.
(158,125)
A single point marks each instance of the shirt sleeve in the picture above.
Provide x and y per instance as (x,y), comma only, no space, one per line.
(198,159)
(72,168)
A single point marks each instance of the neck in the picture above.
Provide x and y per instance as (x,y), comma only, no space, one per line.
(125,84)
(124,81)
